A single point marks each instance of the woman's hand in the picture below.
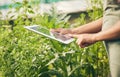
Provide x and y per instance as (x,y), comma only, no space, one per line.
(84,40)
(62,31)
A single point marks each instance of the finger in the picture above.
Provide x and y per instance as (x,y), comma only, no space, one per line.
(79,41)
(63,32)
(85,45)
(73,35)
(56,30)
(81,44)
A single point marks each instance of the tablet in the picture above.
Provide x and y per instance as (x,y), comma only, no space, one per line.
(52,35)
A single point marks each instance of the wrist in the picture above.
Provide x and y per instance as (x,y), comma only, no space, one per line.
(98,37)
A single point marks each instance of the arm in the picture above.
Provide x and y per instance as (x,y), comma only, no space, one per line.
(92,27)
(110,34)
(84,40)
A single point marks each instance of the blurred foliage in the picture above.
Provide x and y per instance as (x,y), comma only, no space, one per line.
(26,54)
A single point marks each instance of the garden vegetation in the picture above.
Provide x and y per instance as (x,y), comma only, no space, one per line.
(26,54)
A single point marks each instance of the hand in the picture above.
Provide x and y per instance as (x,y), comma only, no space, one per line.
(84,40)
(62,31)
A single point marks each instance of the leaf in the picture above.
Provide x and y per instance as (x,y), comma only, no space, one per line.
(30,11)
(52,72)
(61,17)
(57,46)
(18,3)
(67,18)
(53,60)
(77,67)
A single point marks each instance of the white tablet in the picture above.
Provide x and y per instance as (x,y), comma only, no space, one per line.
(53,35)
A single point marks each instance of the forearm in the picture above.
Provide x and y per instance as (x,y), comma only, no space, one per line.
(92,27)
(110,34)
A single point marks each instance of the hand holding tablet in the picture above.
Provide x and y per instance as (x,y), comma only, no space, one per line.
(50,34)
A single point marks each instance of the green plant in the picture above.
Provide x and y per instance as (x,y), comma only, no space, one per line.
(26,54)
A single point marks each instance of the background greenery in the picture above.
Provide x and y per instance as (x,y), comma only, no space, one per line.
(26,54)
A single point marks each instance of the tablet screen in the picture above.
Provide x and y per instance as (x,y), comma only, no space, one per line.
(43,30)
(53,35)
(60,36)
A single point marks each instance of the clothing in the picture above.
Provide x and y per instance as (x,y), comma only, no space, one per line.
(110,18)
